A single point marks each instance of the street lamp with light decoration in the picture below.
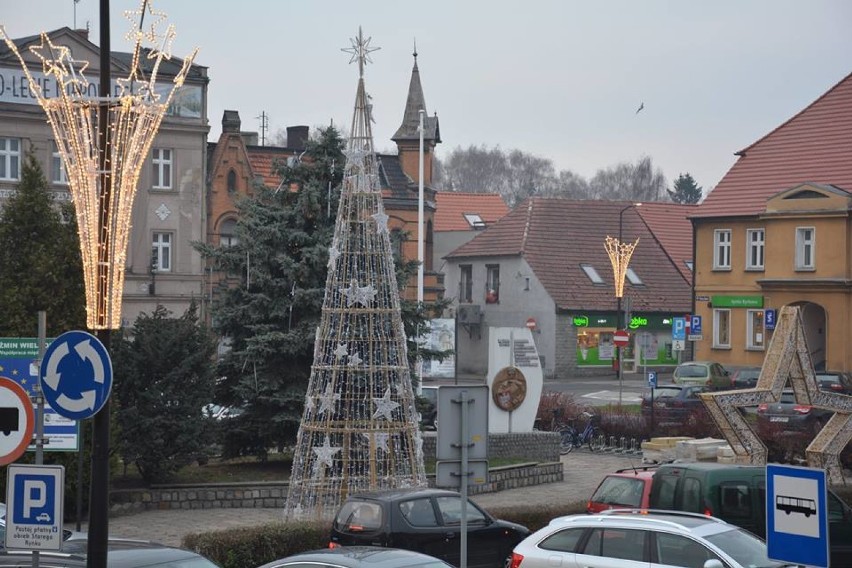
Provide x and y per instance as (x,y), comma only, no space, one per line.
(619,256)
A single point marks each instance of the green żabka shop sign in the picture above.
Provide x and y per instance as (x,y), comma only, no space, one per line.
(637,322)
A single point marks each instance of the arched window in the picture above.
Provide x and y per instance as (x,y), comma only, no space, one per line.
(227,236)
(232,181)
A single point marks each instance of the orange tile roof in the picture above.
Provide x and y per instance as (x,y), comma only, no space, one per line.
(669,224)
(451,207)
(813,146)
(263,160)
(555,236)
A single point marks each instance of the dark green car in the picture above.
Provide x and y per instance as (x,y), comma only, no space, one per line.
(737,494)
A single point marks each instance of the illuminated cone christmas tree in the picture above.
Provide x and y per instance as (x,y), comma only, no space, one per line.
(360,430)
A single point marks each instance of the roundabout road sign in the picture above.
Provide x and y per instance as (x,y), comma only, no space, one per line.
(17,420)
(76,375)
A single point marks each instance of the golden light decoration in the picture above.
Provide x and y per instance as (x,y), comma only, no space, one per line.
(103,200)
(619,256)
(787,360)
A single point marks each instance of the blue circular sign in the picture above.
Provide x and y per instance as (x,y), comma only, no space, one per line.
(76,375)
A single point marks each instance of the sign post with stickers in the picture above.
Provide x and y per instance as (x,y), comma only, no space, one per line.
(34,511)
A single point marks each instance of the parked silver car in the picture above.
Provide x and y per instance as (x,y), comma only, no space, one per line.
(619,538)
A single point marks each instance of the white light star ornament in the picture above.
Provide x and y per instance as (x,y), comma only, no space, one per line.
(351,293)
(381,219)
(341,351)
(366,295)
(328,398)
(385,406)
(333,255)
(381,439)
(325,456)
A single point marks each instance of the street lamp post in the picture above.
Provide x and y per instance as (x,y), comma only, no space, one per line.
(619,256)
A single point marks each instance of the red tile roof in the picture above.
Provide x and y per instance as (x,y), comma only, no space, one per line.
(813,146)
(452,205)
(556,235)
(669,224)
(263,160)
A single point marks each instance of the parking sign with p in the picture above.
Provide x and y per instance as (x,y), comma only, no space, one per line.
(34,496)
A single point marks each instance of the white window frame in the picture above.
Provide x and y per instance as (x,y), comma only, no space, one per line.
(720,342)
(805,247)
(633,278)
(163,168)
(10,159)
(593,274)
(58,174)
(754,326)
(161,250)
(465,283)
(722,249)
(755,249)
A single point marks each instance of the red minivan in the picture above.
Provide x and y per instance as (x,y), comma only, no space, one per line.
(625,488)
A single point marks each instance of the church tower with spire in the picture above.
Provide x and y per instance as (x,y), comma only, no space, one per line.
(400,175)
(407,136)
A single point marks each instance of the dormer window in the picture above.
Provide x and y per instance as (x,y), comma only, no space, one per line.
(633,278)
(474,220)
(592,274)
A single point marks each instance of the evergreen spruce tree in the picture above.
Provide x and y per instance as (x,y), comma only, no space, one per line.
(685,190)
(40,266)
(164,377)
(270,314)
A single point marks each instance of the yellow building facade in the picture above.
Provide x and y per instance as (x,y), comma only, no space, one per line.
(797,251)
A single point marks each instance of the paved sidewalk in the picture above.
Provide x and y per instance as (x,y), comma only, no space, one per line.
(583,471)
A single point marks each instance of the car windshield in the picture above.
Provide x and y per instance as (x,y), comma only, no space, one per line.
(620,491)
(744,547)
(691,371)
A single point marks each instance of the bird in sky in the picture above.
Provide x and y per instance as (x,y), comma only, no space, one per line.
(641,106)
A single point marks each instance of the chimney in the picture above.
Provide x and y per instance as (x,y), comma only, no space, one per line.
(231,121)
(297,137)
(83,32)
(250,138)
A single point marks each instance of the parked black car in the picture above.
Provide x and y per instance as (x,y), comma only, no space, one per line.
(835,381)
(358,557)
(673,403)
(427,521)
(745,377)
(789,416)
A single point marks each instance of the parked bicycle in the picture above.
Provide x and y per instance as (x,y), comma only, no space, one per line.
(591,435)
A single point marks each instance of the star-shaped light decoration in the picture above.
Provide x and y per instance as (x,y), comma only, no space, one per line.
(341,351)
(328,398)
(355,360)
(333,254)
(360,51)
(366,295)
(385,406)
(309,404)
(355,156)
(786,358)
(351,293)
(325,456)
(381,440)
(381,219)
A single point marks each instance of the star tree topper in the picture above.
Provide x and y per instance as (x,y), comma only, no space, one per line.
(360,51)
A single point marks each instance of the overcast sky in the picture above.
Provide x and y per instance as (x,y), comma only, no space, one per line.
(560,79)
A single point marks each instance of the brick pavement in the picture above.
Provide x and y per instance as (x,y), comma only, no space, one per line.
(583,471)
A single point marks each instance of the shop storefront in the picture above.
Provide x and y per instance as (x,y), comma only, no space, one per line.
(650,340)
